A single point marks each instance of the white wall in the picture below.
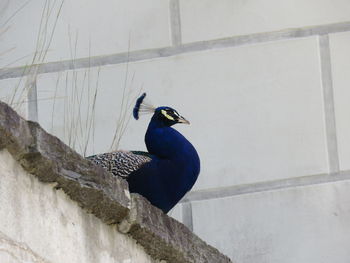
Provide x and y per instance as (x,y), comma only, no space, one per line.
(41,224)
(264,84)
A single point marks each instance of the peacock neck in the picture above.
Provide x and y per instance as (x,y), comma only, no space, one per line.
(176,159)
(166,142)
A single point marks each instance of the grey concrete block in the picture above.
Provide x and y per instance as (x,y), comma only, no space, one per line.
(206,19)
(307,224)
(83,29)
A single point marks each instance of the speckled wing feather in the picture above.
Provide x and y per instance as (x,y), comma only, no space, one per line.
(121,163)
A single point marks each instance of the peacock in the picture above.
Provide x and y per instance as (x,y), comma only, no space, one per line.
(169,169)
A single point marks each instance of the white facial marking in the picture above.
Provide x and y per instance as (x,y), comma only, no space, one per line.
(176,113)
(167,115)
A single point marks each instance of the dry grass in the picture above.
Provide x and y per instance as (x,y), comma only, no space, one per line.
(127,102)
(77,89)
(25,85)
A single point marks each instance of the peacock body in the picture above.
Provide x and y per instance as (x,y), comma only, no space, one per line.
(167,171)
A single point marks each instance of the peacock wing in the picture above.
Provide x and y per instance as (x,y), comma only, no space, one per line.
(121,163)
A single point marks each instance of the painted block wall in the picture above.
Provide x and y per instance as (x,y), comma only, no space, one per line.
(265,86)
(40,224)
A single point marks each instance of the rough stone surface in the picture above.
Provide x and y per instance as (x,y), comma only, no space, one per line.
(41,224)
(52,161)
(96,191)
(164,238)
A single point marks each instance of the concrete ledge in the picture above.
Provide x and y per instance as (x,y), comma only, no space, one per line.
(95,190)
(50,160)
(164,238)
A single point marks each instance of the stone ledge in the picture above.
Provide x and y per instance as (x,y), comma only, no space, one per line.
(52,161)
(164,238)
(105,196)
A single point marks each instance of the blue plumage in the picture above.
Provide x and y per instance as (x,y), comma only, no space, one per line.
(136,109)
(169,169)
(175,164)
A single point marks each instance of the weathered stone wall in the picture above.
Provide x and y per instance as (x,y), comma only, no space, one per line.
(41,224)
(59,206)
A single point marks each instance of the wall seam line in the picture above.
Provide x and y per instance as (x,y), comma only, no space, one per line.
(32,98)
(141,55)
(328,102)
(175,22)
(235,190)
(187,218)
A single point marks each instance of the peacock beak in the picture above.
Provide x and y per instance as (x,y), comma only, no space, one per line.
(182,120)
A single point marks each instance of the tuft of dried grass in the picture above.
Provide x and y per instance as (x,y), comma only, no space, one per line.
(79,97)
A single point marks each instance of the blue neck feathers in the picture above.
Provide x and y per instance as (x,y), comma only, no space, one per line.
(175,164)
(167,143)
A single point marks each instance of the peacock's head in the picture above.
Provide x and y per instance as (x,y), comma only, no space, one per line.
(169,116)
(166,115)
